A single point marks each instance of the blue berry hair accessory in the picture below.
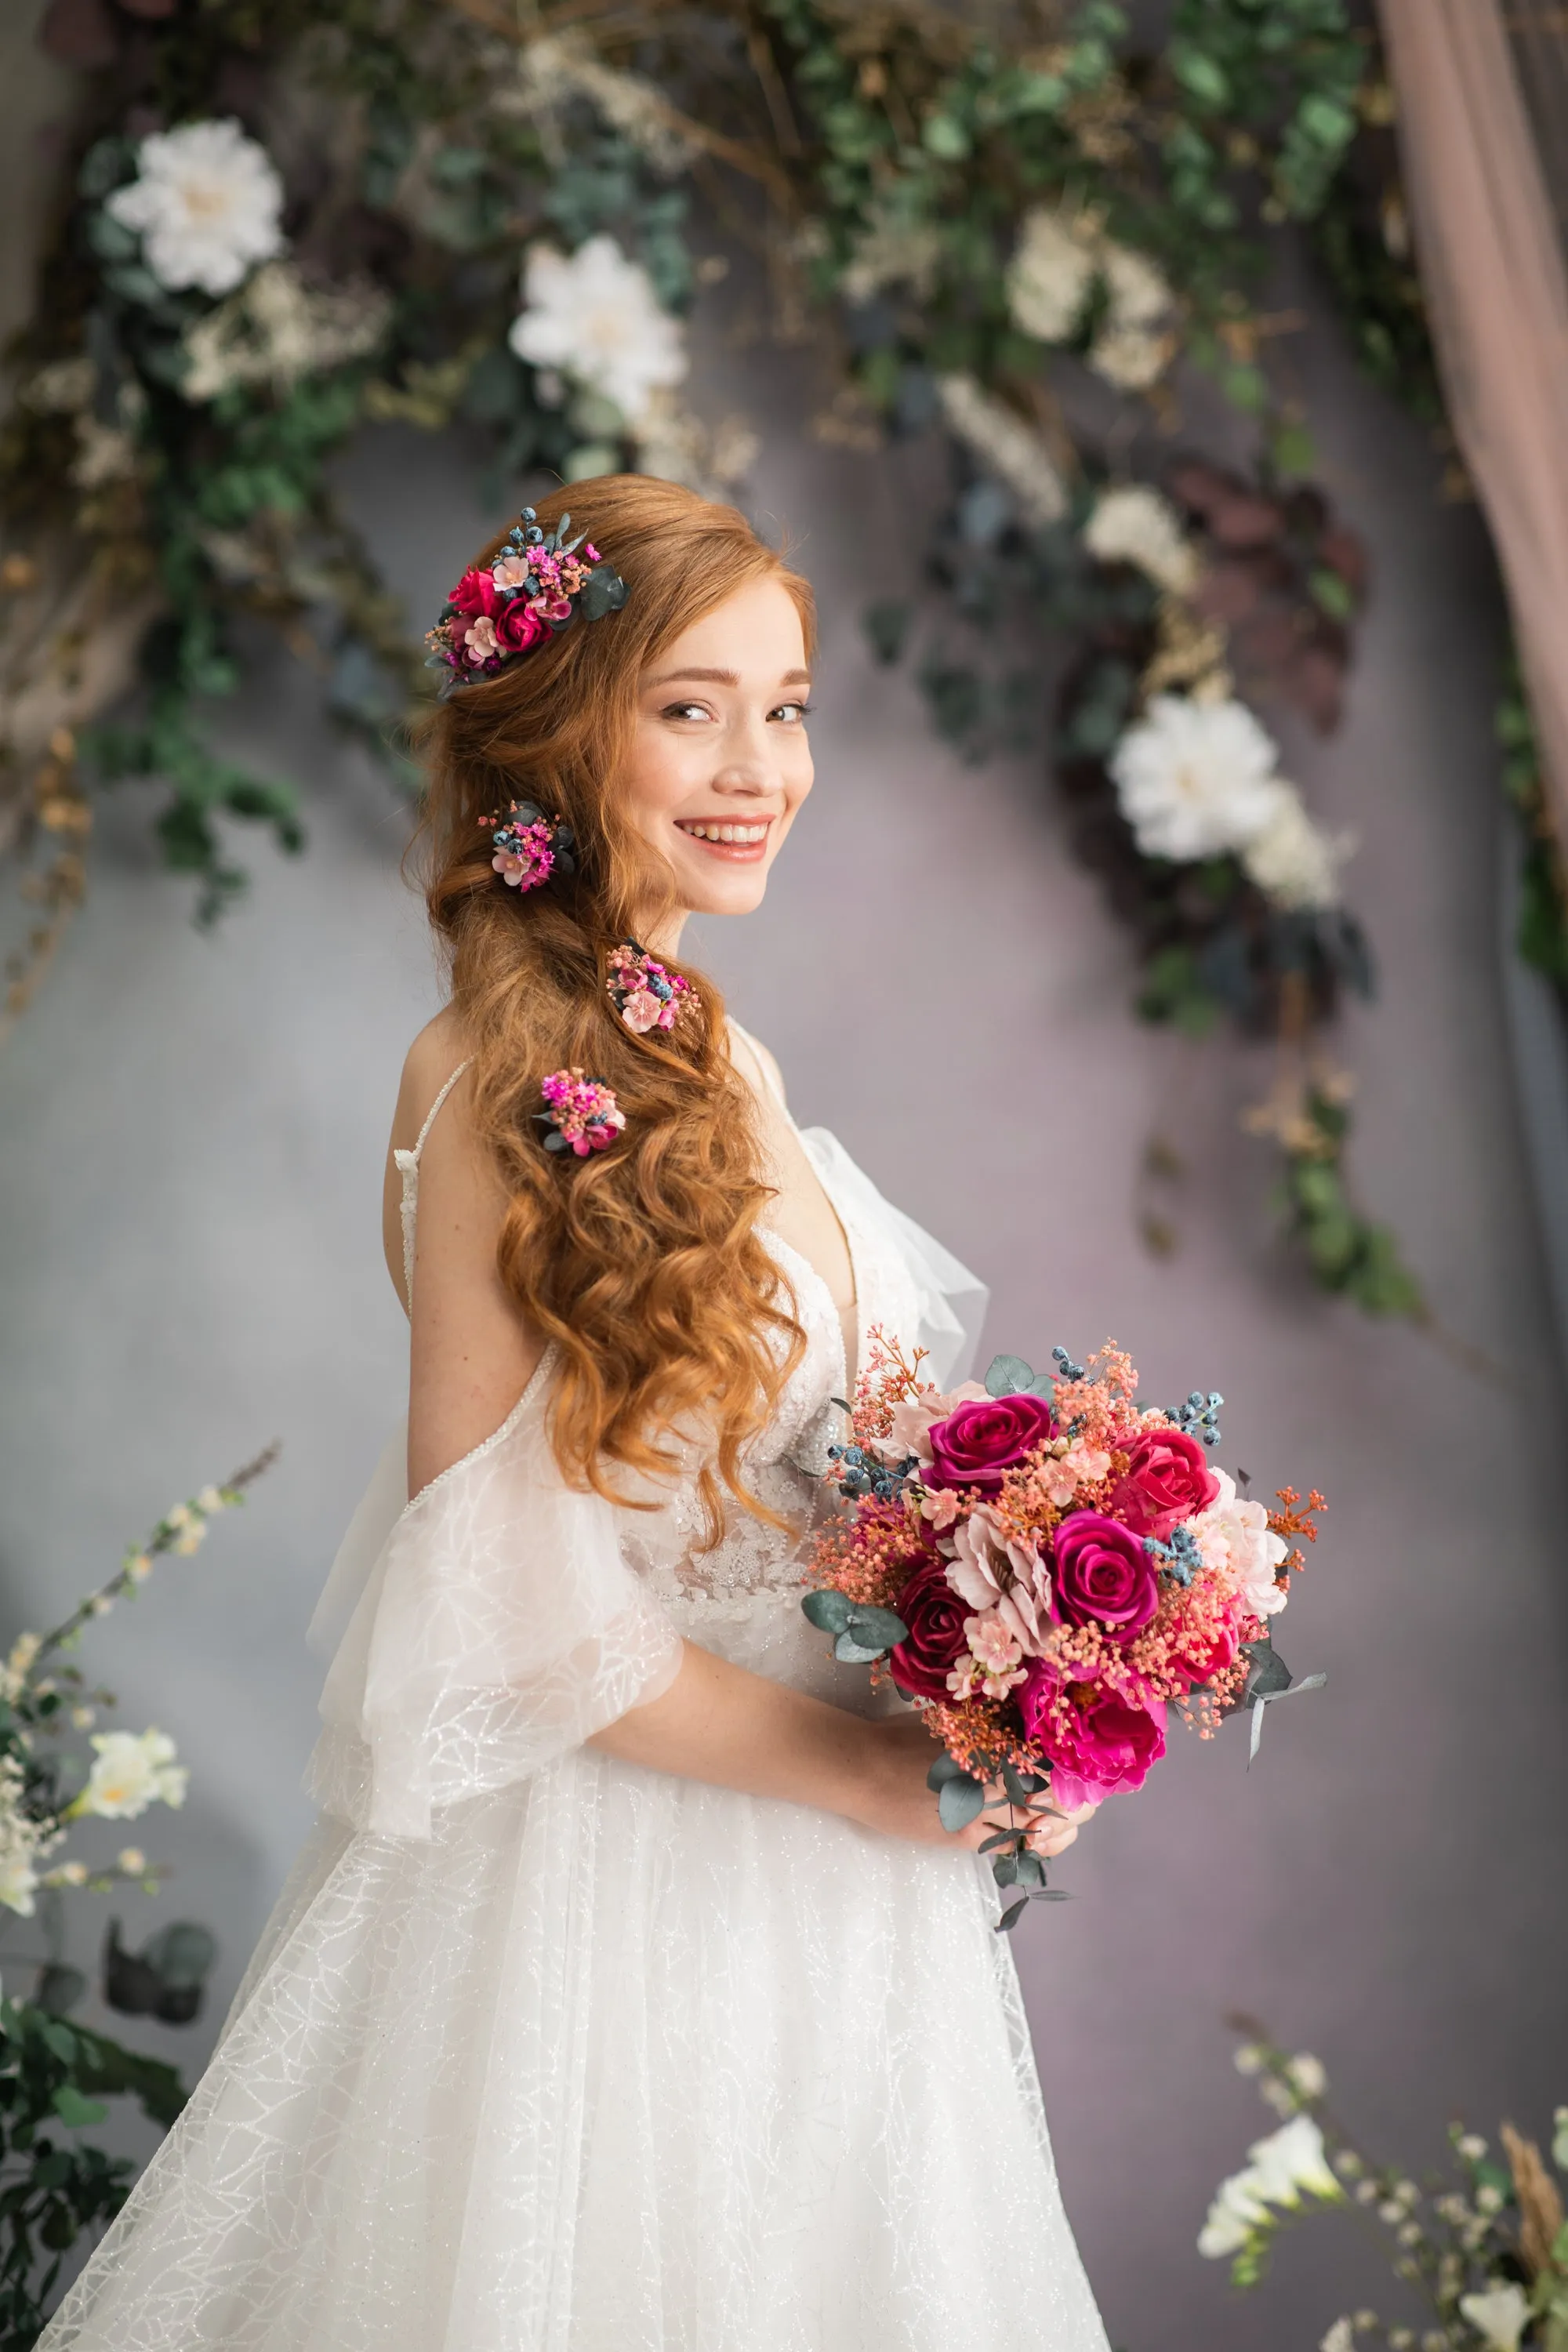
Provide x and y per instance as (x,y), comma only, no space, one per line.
(526,595)
(530,846)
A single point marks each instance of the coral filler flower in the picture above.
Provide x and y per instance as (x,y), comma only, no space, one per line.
(1197,779)
(207,204)
(594,315)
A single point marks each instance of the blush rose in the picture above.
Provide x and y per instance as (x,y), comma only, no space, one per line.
(980,1441)
(1103,1574)
(935,1615)
(1167,1479)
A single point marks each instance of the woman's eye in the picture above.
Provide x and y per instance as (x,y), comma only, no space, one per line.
(792,713)
(685,711)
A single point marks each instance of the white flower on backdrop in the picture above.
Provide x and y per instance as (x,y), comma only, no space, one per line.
(1133,524)
(1061,254)
(593,316)
(1009,448)
(1051,272)
(1291,861)
(1499,2316)
(208,203)
(130,1772)
(1196,779)
(277,329)
(1280,2171)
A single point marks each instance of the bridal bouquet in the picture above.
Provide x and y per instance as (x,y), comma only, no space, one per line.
(1046,1568)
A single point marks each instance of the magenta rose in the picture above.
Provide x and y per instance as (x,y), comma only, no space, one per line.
(984,1437)
(1103,1749)
(518,627)
(1167,1480)
(1103,1574)
(475,592)
(1109,1746)
(935,1617)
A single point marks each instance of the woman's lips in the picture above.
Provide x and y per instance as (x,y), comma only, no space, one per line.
(736,840)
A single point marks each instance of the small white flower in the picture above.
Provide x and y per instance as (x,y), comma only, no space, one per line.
(1291,2162)
(1236,2212)
(1290,860)
(210,1499)
(275,329)
(1340,2337)
(1133,524)
(1136,343)
(1248,2059)
(131,1861)
(191,1541)
(102,1603)
(1410,2233)
(18,1880)
(67,1874)
(138,1567)
(1471,2147)
(132,1773)
(1400,2339)
(1500,2315)
(208,203)
(1306,2072)
(1488,2199)
(179,1516)
(24,1653)
(1051,271)
(1196,779)
(594,315)
(1006,445)
(83,1717)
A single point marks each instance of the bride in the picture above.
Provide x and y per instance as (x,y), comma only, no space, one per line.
(629,1995)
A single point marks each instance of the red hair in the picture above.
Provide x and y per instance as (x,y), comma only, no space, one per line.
(643,1263)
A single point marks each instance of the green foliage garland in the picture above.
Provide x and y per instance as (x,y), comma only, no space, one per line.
(915,182)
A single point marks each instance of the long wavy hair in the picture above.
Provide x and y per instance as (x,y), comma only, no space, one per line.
(642,1263)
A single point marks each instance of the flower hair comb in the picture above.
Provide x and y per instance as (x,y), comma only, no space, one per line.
(530,846)
(582,1114)
(526,595)
(644,992)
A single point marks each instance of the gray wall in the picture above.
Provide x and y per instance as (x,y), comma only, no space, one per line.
(193,1129)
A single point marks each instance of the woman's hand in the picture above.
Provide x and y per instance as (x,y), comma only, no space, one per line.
(898,1802)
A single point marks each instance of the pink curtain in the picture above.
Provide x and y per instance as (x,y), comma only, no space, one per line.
(1497,292)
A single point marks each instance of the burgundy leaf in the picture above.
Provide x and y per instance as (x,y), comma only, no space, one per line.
(1242,522)
(80,33)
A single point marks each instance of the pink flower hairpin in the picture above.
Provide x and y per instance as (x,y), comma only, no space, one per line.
(530,846)
(582,1114)
(527,594)
(645,992)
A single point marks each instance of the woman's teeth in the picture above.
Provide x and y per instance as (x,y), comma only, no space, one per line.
(734,833)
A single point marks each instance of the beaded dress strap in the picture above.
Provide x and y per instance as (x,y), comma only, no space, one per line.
(408,1166)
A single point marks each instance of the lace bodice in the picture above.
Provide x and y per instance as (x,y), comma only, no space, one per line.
(501,1616)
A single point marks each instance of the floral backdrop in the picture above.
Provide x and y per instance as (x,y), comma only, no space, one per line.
(1022,232)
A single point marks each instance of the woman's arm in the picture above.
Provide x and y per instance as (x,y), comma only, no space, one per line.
(472,1357)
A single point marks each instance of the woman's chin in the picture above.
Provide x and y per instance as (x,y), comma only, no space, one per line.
(734,890)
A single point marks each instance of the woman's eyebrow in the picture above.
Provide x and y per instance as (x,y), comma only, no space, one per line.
(722,677)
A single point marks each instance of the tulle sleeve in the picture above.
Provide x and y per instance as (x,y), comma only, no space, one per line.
(948,1302)
(498,1626)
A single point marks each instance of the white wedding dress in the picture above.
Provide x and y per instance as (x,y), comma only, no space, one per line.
(542,2051)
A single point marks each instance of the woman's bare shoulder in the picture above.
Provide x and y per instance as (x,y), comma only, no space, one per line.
(435,1053)
(752,1057)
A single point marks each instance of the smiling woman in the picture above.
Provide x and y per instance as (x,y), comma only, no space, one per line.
(553,2018)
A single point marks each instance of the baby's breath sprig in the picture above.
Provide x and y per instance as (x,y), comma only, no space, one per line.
(182,1530)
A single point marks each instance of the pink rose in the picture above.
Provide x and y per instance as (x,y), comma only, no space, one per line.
(518,627)
(1167,1480)
(475,592)
(936,1639)
(983,1439)
(1103,1574)
(1105,1745)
